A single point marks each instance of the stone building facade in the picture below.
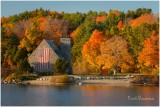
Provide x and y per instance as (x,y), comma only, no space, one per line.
(45,55)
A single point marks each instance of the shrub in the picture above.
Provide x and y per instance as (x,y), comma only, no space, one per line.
(22,78)
(61,79)
(60,66)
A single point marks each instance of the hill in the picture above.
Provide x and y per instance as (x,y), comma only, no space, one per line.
(138,30)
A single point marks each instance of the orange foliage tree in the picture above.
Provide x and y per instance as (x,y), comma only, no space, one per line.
(144,18)
(120,24)
(149,56)
(114,54)
(100,18)
(91,49)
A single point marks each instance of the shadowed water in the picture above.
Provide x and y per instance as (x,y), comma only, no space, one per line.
(75,95)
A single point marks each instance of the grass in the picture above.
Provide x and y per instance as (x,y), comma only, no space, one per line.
(61,79)
(20,77)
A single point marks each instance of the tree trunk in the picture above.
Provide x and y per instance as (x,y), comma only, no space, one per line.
(114,71)
(101,70)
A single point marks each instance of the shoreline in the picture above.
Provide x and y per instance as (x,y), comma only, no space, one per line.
(121,82)
(47,80)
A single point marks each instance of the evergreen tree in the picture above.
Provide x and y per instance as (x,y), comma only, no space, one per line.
(60,66)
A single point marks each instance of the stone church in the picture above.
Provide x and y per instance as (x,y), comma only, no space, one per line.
(45,55)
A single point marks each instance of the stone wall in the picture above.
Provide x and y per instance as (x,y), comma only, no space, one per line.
(33,58)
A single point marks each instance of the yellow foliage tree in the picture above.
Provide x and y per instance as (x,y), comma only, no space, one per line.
(114,53)
(31,38)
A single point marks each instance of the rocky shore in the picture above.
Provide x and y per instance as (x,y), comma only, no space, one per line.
(15,82)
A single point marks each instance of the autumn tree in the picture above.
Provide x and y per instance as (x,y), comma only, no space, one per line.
(27,29)
(91,49)
(120,24)
(53,28)
(114,54)
(149,56)
(32,38)
(21,26)
(144,18)
(100,18)
(81,35)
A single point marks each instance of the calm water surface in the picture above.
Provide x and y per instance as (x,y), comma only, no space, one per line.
(75,95)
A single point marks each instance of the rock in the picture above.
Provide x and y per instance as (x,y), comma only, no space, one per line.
(80,83)
(5,82)
(88,78)
(25,82)
(71,79)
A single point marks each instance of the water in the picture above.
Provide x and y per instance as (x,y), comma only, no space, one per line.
(75,95)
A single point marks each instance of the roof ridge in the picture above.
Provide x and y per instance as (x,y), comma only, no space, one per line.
(51,44)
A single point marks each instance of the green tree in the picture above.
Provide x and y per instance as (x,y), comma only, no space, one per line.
(60,66)
(141,11)
(74,19)
(23,66)
(12,41)
(20,54)
(137,13)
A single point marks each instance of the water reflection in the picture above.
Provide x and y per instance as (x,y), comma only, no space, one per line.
(75,95)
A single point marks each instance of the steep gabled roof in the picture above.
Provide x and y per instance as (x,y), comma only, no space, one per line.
(51,44)
(47,42)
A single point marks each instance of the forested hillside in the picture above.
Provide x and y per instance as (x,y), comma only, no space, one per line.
(111,41)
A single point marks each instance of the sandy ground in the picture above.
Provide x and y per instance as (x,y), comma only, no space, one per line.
(103,81)
(45,80)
